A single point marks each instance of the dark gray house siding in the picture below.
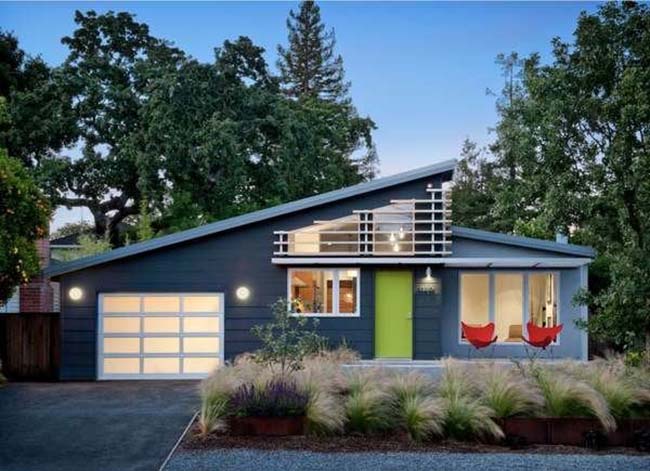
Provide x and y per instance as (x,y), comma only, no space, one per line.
(242,256)
(221,263)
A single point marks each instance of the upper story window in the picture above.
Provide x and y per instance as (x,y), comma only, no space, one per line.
(405,227)
(323,292)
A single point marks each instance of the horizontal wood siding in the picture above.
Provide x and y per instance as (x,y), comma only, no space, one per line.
(427,313)
(221,263)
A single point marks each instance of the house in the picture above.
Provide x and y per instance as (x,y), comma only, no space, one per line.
(379,263)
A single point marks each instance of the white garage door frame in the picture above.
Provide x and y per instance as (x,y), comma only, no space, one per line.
(141,335)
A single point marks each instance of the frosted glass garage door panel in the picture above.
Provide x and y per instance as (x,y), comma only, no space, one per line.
(200,344)
(161,325)
(161,304)
(119,304)
(117,366)
(201,304)
(121,325)
(201,324)
(161,366)
(161,345)
(199,365)
(122,345)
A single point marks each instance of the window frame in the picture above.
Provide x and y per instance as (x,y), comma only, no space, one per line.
(492,299)
(335,292)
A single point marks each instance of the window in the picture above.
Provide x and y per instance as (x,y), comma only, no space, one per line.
(475,298)
(508,303)
(324,291)
(501,297)
(542,302)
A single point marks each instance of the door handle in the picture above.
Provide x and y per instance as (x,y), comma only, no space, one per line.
(409,316)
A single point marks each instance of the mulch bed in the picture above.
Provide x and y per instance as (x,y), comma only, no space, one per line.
(360,444)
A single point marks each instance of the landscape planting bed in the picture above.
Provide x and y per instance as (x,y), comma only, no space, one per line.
(356,444)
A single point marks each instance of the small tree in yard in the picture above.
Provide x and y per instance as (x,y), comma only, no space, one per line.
(287,339)
(24,214)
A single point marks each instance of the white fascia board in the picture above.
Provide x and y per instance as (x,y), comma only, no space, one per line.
(447,261)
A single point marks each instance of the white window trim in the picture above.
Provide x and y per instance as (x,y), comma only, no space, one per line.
(492,302)
(141,315)
(335,292)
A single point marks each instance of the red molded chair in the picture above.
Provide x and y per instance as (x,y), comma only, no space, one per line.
(479,336)
(541,337)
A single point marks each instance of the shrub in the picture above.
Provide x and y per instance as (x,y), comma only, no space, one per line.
(278,398)
(507,392)
(405,386)
(421,417)
(215,392)
(367,411)
(287,339)
(565,396)
(464,416)
(322,380)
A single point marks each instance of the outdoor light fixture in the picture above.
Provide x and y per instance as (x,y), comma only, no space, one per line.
(428,272)
(243,293)
(75,293)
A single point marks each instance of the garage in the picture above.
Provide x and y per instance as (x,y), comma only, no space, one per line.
(159,335)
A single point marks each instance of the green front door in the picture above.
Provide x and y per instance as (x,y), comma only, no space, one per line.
(394,314)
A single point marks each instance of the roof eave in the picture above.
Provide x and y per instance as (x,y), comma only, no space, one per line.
(250,218)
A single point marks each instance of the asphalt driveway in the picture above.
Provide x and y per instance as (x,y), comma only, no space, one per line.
(125,425)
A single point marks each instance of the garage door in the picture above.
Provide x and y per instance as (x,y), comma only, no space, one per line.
(159,335)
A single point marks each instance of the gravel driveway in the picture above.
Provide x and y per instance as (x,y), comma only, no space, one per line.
(256,460)
(109,425)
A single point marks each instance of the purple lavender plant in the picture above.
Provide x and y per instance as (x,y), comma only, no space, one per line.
(279,398)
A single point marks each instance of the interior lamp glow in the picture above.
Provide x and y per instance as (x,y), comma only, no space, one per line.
(75,293)
(243,293)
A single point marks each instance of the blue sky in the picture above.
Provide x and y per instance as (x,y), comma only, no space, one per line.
(420,70)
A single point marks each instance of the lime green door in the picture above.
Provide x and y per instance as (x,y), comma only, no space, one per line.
(393,314)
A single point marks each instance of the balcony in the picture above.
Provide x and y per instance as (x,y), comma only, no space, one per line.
(412,227)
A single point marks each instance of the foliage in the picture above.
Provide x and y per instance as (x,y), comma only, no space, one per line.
(73,228)
(567,397)
(465,417)
(24,215)
(571,154)
(287,339)
(507,393)
(278,398)
(309,68)
(89,245)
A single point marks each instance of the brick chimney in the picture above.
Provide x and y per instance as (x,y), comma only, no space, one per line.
(38,295)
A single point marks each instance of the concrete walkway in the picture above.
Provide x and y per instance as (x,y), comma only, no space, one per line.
(125,425)
(256,460)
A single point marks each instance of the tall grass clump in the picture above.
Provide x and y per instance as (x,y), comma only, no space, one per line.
(367,408)
(464,416)
(323,381)
(215,392)
(414,409)
(565,396)
(507,392)
(616,383)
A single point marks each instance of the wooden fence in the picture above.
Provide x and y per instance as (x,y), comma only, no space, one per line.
(30,346)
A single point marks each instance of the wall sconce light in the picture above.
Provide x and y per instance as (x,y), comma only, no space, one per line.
(243,293)
(428,272)
(75,293)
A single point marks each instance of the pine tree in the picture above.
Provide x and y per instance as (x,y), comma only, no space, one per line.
(309,68)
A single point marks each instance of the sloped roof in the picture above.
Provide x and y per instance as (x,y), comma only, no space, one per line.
(250,218)
(527,242)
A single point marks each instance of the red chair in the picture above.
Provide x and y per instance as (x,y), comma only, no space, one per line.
(541,337)
(479,336)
